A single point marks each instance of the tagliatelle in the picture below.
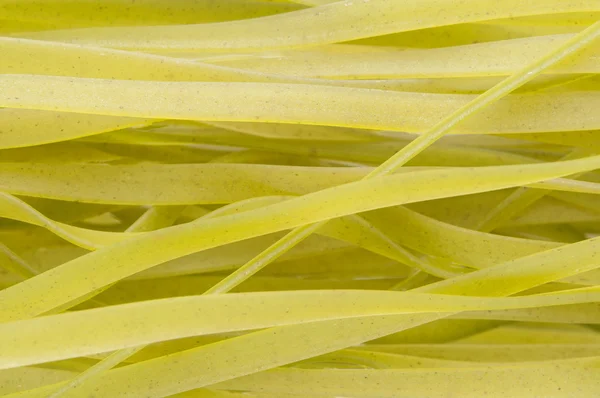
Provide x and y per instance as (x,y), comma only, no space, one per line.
(182,322)
(336,22)
(471,383)
(21,127)
(374,193)
(124,13)
(485,59)
(553,264)
(297,103)
(401,197)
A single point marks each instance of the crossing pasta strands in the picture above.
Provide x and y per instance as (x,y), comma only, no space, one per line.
(312,198)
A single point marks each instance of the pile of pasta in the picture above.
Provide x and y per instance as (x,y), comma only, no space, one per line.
(263,198)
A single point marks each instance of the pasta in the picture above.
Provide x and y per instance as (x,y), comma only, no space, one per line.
(315,198)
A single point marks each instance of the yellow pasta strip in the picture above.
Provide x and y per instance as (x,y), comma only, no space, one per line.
(476,60)
(570,378)
(330,23)
(490,353)
(127,13)
(378,109)
(23,127)
(191,184)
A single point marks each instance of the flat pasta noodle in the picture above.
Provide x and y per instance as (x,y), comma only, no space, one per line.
(390,110)
(124,13)
(23,127)
(577,377)
(569,314)
(489,353)
(475,60)
(330,23)
(136,184)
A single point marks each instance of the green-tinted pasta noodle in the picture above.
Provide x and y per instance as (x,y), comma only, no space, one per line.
(436,161)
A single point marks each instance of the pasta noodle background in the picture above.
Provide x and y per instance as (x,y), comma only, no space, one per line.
(255,198)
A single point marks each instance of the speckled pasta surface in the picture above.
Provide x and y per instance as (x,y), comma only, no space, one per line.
(299,198)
